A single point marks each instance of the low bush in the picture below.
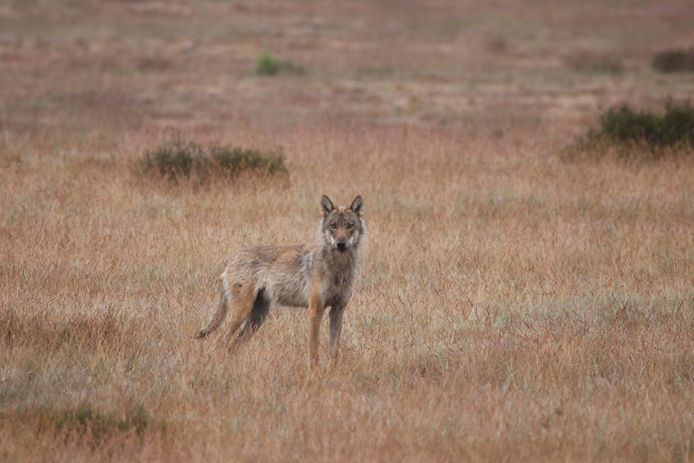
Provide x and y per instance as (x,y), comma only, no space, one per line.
(178,159)
(268,65)
(675,127)
(632,133)
(232,161)
(674,61)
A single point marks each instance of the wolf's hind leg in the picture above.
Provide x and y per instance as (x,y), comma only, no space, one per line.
(243,294)
(259,312)
(219,315)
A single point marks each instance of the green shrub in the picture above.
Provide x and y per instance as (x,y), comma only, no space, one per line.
(674,61)
(632,133)
(177,159)
(233,161)
(268,65)
(673,128)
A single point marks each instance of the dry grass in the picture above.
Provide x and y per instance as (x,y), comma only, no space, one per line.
(510,306)
(586,61)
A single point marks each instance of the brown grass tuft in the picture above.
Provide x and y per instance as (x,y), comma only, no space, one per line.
(52,333)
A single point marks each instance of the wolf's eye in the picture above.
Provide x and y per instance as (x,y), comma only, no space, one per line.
(350,226)
(333,226)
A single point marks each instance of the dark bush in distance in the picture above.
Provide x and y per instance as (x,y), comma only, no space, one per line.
(674,61)
(177,159)
(674,127)
(633,134)
(233,161)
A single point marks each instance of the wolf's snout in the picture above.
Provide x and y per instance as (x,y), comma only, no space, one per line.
(341,245)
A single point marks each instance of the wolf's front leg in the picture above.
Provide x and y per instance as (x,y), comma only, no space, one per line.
(315,314)
(336,312)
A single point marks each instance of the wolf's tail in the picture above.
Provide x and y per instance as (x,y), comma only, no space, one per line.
(221,312)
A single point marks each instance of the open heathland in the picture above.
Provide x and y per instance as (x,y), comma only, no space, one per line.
(511,305)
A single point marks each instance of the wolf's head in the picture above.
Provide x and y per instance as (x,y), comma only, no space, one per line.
(342,228)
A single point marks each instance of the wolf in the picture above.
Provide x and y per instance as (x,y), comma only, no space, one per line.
(317,276)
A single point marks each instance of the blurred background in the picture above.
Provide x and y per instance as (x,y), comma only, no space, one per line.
(115,67)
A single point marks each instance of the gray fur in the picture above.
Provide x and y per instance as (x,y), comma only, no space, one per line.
(286,275)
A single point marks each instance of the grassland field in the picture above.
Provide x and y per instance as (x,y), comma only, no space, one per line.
(510,305)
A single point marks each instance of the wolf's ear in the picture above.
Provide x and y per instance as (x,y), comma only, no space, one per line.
(326,205)
(357,205)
